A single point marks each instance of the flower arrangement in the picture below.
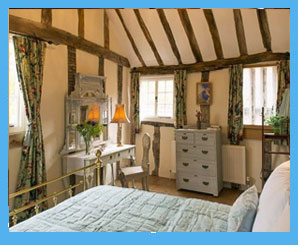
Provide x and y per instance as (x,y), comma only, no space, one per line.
(89,130)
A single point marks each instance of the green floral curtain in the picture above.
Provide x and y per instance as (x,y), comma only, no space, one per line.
(283,70)
(135,105)
(235,112)
(180,97)
(29,54)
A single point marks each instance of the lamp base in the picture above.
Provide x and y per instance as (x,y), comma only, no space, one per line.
(119,132)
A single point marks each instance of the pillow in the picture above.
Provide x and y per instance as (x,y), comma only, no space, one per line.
(243,211)
(283,223)
(274,198)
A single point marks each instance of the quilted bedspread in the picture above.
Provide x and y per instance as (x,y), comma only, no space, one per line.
(109,208)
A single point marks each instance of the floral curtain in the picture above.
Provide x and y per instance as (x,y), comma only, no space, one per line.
(29,54)
(135,105)
(235,111)
(180,97)
(283,70)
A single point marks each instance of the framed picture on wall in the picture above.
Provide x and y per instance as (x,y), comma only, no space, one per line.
(204,93)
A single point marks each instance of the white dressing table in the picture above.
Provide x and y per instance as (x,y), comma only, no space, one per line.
(111,154)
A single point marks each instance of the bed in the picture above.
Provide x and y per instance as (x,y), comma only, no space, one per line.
(110,208)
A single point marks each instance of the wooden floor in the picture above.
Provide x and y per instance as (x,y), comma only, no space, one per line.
(168,186)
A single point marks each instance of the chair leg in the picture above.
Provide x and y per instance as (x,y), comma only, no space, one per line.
(144,183)
(133,183)
(147,182)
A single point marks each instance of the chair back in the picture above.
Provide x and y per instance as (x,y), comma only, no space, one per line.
(146,147)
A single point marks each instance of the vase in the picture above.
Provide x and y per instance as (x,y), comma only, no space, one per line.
(88,146)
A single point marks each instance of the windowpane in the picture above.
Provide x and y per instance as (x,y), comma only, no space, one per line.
(259,90)
(147,99)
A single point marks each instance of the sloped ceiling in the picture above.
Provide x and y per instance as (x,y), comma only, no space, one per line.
(278,20)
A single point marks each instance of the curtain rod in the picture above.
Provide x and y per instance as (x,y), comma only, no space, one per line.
(33,37)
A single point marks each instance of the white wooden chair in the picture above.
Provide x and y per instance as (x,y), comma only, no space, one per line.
(131,173)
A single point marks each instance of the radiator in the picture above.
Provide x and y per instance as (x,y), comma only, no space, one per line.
(234,164)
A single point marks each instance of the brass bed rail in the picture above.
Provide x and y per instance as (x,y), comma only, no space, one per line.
(97,164)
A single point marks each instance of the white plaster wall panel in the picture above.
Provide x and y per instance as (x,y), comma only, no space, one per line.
(202,33)
(180,36)
(93,24)
(65,19)
(191,102)
(139,38)
(30,14)
(52,111)
(279,26)
(119,41)
(87,63)
(252,31)
(159,36)
(224,19)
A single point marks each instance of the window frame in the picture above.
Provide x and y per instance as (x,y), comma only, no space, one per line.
(21,119)
(251,131)
(157,118)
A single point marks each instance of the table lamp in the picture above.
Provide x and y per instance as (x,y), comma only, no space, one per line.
(119,117)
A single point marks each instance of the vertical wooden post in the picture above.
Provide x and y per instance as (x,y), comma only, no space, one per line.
(156,149)
(106,30)
(46,16)
(71,58)
(81,23)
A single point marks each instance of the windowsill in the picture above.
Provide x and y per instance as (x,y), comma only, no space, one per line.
(16,139)
(255,131)
(158,119)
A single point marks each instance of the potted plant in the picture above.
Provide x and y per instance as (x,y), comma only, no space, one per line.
(276,122)
(88,131)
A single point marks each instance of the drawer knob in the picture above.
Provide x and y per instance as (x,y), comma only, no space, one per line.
(204,152)
(185,150)
(204,138)
(184,137)
(185,180)
(205,183)
(185,164)
(205,166)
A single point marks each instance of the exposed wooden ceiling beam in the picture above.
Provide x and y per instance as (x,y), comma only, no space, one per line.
(215,64)
(240,32)
(106,30)
(264,28)
(32,28)
(133,44)
(81,23)
(46,16)
(169,33)
(190,34)
(148,36)
(214,32)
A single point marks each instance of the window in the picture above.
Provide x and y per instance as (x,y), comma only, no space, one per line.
(17,120)
(156,98)
(259,90)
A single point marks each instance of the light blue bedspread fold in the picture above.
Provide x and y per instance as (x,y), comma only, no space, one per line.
(110,208)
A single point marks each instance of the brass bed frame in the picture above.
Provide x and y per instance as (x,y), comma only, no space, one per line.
(97,165)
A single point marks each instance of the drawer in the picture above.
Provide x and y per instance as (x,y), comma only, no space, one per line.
(196,182)
(185,137)
(193,166)
(205,138)
(183,150)
(206,153)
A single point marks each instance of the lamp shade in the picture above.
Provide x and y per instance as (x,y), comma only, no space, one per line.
(93,113)
(120,115)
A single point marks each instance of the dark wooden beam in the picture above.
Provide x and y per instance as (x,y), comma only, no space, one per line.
(48,33)
(72,68)
(101,66)
(215,64)
(240,32)
(205,109)
(169,33)
(133,44)
(264,28)
(81,23)
(46,16)
(190,34)
(214,32)
(148,36)
(119,84)
(106,30)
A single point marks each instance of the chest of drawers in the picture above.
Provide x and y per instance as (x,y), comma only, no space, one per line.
(198,160)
